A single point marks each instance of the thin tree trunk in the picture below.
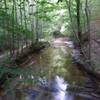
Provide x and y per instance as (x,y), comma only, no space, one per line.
(78,23)
(17,35)
(25,23)
(21,25)
(37,23)
(5,26)
(88,28)
(13,26)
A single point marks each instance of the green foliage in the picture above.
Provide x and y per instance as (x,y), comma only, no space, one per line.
(20,18)
(24,20)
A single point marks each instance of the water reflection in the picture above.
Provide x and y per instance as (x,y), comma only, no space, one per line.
(56,91)
(59,86)
(54,63)
(57,61)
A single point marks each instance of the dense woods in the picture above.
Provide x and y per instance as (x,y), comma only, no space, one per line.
(45,38)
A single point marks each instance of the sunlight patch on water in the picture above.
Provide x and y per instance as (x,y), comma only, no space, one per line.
(60,85)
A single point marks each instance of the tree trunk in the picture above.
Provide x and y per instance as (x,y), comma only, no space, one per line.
(78,23)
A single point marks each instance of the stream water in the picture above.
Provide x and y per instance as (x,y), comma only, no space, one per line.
(55,73)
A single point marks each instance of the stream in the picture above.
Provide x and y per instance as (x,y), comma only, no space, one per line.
(57,77)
